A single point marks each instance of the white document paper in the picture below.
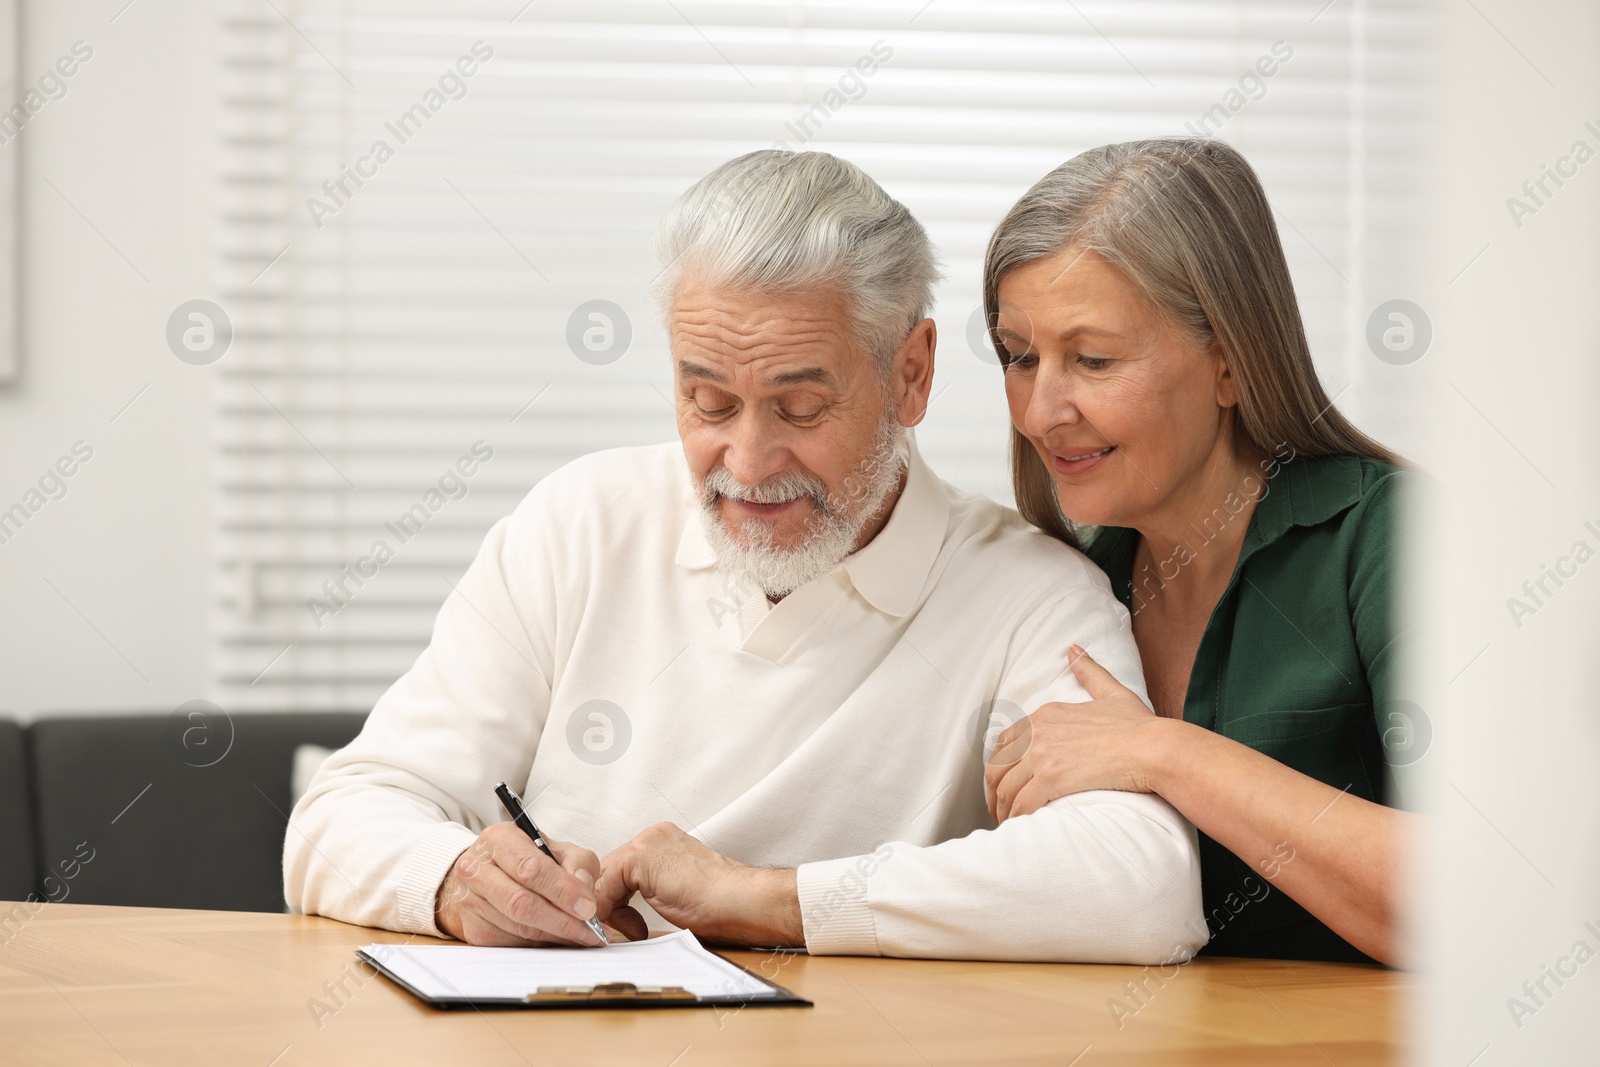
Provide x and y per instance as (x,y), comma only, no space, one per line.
(469,973)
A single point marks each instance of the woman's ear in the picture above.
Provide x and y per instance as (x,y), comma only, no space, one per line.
(1227,388)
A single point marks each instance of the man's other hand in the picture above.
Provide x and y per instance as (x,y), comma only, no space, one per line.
(699,889)
(503,891)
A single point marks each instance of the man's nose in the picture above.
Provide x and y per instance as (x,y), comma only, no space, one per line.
(753,453)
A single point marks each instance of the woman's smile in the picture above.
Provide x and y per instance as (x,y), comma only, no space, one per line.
(1074,461)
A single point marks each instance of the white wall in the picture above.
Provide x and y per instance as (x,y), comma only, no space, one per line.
(130,145)
(1515,761)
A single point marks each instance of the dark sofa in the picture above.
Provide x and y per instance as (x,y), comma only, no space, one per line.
(164,810)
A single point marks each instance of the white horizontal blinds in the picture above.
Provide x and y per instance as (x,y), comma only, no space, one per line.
(1388,205)
(432,303)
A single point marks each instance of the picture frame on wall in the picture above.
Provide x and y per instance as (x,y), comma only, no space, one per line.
(10,206)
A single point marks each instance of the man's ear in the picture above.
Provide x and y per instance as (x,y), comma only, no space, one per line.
(911,378)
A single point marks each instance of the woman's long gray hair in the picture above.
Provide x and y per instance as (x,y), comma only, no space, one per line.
(1187,221)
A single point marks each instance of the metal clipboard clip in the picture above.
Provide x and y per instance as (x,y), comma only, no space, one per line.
(608,991)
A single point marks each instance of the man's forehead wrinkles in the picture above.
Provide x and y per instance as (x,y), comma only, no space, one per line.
(756,347)
(787,334)
(790,339)
(765,357)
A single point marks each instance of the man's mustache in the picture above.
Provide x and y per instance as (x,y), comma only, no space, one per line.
(779,489)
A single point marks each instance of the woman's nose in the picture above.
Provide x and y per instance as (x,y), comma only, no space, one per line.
(1051,404)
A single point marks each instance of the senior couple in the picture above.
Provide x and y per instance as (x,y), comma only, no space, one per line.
(779,684)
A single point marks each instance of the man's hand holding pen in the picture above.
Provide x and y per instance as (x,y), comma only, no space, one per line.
(503,891)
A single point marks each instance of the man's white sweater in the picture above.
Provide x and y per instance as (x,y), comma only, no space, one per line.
(595,657)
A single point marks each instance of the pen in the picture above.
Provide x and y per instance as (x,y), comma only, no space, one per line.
(519,815)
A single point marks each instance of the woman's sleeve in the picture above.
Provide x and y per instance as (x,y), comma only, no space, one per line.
(1403,728)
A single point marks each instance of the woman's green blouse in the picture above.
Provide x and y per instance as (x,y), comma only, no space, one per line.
(1297,661)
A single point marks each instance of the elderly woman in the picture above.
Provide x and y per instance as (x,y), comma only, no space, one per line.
(1162,395)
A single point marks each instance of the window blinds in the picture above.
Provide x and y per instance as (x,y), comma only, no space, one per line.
(434,243)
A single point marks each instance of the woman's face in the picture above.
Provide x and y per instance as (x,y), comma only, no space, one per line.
(1124,410)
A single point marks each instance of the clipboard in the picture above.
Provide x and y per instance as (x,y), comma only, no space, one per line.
(461,976)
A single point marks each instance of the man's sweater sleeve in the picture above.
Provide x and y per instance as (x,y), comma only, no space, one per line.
(386,817)
(1099,877)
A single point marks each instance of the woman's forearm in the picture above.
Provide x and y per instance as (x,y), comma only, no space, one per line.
(1336,854)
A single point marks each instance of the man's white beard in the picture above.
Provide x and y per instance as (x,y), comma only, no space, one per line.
(831,531)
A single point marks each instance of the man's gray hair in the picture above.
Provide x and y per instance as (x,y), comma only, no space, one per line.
(784,222)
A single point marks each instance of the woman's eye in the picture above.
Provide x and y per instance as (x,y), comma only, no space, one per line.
(1020,360)
(1093,362)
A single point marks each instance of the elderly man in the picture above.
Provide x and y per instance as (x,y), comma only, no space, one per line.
(760,681)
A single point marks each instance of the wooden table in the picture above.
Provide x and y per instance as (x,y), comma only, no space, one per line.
(85,985)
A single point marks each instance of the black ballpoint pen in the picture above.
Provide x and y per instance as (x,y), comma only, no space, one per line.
(520,816)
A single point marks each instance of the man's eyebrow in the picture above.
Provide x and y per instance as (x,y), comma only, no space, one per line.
(695,370)
(804,376)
